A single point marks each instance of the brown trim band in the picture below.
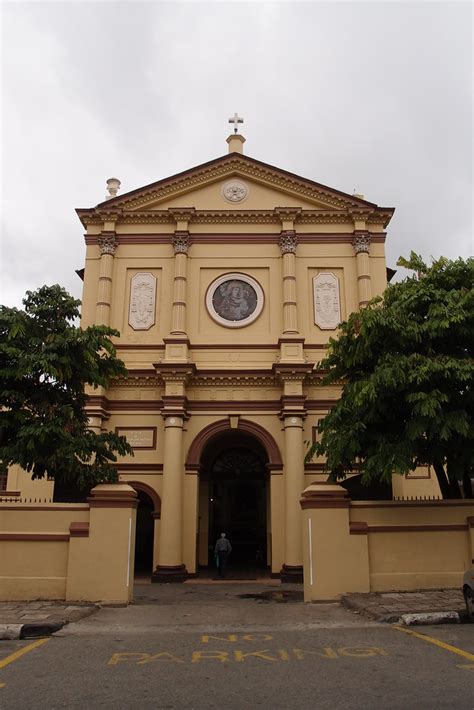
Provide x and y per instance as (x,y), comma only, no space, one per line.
(236,238)
(415,528)
(358,528)
(457,503)
(136,346)
(112,503)
(79,530)
(324,503)
(136,467)
(35,537)
(39,507)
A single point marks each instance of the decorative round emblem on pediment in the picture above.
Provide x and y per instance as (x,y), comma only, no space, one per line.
(234,191)
(234,300)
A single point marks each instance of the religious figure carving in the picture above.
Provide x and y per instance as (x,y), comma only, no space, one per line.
(107,244)
(235,191)
(361,243)
(288,242)
(327,306)
(234,300)
(180,242)
(142,301)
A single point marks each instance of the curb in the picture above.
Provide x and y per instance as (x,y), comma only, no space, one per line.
(432,618)
(11,632)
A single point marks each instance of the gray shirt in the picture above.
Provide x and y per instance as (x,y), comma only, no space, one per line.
(222,545)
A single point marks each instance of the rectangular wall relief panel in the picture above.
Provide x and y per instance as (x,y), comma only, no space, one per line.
(142,301)
(327,302)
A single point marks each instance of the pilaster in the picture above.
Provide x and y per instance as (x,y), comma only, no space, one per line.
(177,343)
(170,555)
(291,342)
(361,244)
(108,247)
(292,415)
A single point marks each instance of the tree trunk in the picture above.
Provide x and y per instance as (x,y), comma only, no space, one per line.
(442,479)
(454,470)
(467,485)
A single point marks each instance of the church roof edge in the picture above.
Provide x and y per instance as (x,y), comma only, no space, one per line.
(228,157)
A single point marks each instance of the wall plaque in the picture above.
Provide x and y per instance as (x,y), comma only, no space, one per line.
(327,305)
(142,301)
(235,191)
(144,438)
(234,300)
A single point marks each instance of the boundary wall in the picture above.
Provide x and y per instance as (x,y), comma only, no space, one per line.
(72,552)
(380,546)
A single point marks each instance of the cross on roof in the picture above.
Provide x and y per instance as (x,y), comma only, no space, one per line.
(236,120)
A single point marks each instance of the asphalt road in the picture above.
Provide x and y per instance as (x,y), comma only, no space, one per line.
(239,654)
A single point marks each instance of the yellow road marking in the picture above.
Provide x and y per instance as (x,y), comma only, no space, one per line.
(2,685)
(18,654)
(437,642)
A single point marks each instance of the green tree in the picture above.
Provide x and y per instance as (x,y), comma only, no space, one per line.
(406,366)
(45,363)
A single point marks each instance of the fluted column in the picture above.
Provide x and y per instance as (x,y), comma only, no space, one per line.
(288,242)
(361,244)
(180,242)
(292,570)
(170,557)
(108,246)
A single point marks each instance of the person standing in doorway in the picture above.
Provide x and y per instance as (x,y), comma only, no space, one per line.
(222,551)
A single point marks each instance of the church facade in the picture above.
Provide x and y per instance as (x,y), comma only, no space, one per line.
(226,282)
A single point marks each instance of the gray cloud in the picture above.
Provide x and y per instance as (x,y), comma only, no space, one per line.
(372,96)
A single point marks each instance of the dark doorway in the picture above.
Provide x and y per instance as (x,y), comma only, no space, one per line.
(237,485)
(144,535)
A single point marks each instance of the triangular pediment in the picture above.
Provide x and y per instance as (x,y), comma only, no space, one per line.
(205,189)
(207,180)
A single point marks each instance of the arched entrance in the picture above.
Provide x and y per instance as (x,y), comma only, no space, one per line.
(148,511)
(234,498)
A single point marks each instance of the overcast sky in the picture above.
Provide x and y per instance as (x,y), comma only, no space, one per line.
(374,96)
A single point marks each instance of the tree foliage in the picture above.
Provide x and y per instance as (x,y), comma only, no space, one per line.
(45,363)
(406,365)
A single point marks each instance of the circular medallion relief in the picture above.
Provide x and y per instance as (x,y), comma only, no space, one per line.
(234,300)
(234,191)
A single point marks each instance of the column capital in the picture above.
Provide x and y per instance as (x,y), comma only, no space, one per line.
(361,242)
(108,243)
(288,242)
(180,242)
(173,420)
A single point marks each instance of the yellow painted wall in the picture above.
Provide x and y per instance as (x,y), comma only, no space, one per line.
(41,558)
(382,546)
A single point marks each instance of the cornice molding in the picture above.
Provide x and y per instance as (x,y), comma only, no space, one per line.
(336,216)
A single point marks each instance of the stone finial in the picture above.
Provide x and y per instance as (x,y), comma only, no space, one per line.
(108,243)
(361,243)
(113,186)
(288,242)
(180,241)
